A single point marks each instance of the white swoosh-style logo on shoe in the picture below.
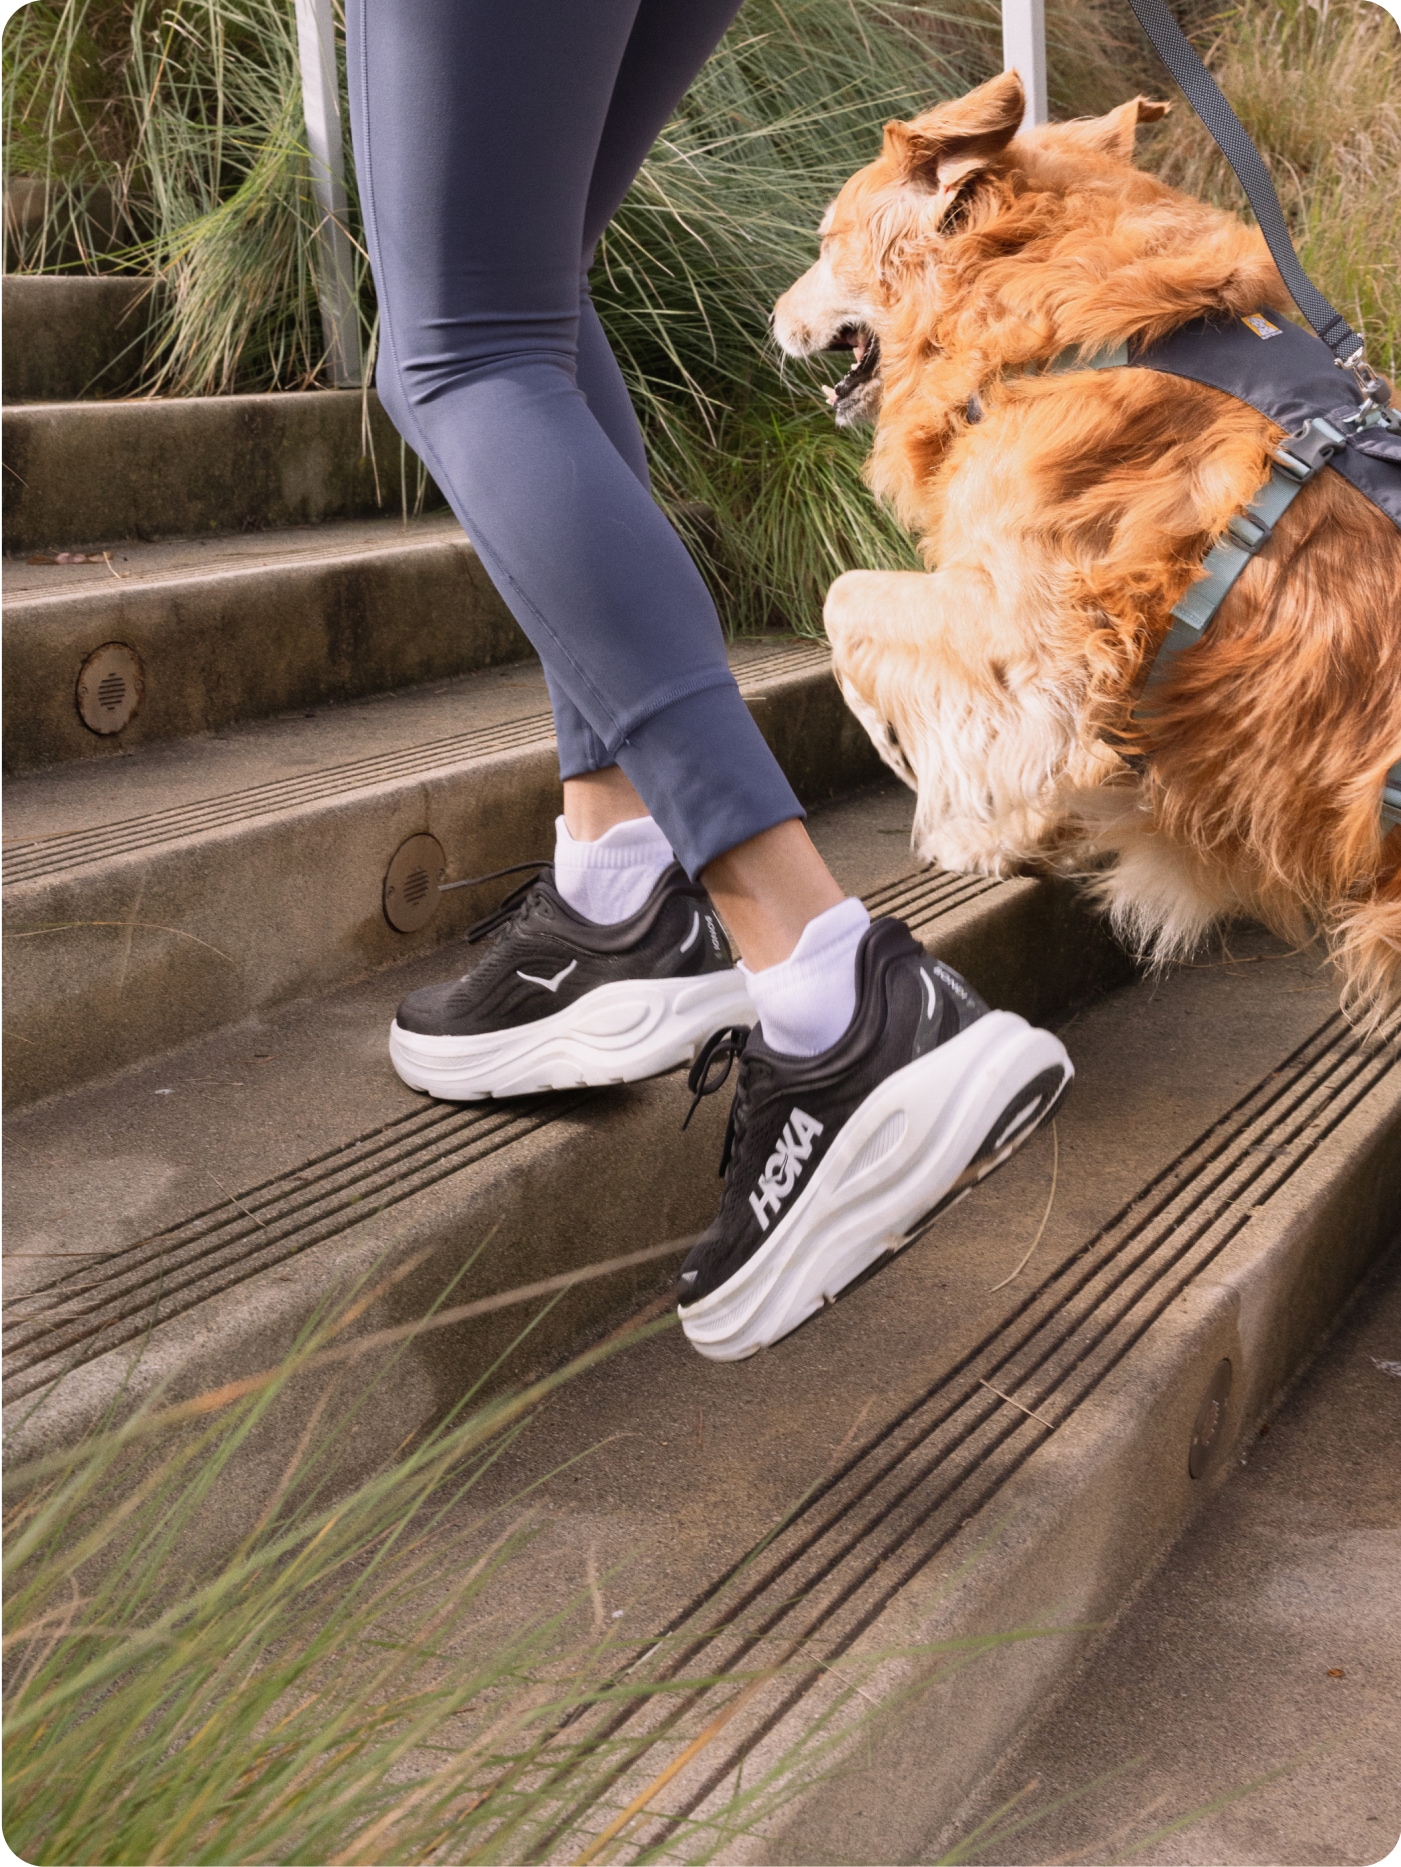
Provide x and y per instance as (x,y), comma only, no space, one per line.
(550,985)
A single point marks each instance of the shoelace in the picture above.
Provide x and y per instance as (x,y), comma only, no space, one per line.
(510,907)
(710,1072)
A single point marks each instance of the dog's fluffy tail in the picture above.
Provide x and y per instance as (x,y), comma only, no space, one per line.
(1161,900)
(1366,943)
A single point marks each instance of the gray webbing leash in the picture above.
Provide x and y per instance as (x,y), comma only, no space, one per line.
(1229,134)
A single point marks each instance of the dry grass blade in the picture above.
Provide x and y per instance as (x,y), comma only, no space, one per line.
(1030,1252)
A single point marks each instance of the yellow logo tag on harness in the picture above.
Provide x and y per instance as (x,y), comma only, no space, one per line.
(1260,324)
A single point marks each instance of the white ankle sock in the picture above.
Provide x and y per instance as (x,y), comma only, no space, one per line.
(807,1000)
(608,880)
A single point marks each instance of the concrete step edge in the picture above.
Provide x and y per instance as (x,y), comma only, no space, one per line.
(195,654)
(1040,1483)
(45,857)
(551,1184)
(83,472)
(126,938)
(69,336)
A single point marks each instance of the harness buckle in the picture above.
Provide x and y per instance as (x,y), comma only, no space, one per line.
(1301,455)
(1368,381)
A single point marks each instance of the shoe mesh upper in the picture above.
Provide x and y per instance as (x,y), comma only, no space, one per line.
(788,1111)
(542,957)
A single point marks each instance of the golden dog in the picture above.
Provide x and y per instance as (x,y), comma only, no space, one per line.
(1063,514)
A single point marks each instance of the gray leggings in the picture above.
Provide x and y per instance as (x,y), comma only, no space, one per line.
(494,140)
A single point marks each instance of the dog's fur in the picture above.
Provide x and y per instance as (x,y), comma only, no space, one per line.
(1062,526)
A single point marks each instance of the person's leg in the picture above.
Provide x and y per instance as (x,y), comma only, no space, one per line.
(768,888)
(477,129)
(771,886)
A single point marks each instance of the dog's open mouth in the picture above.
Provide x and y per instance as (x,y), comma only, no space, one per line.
(854,398)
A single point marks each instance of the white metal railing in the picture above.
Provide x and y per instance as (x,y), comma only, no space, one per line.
(1024,51)
(316,47)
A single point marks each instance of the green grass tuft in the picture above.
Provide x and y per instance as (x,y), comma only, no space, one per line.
(357,1681)
(166,138)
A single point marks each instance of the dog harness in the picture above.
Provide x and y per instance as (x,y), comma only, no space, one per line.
(1289,376)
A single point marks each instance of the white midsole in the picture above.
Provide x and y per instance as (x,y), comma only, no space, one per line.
(899,1155)
(617,1033)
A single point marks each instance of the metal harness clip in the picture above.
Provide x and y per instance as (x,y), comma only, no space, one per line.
(1375,391)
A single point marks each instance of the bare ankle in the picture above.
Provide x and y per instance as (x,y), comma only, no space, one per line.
(768,889)
(596,800)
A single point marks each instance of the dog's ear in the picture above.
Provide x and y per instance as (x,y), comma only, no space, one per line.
(948,144)
(1113,135)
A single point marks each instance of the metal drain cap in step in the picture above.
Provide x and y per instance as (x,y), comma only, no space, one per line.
(111,683)
(411,883)
(37,858)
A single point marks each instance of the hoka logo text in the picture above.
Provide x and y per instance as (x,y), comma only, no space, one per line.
(783,1166)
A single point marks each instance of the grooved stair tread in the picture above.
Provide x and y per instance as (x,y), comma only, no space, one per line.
(1292,1575)
(1197,1101)
(74,814)
(245,1121)
(948,1430)
(155,896)
(28,587)
(1156,1065)
(828,1589)
(228,1190)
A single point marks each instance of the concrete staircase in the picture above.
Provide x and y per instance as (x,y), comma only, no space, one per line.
(250,730)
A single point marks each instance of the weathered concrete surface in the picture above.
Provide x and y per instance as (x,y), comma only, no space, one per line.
(150,899)
(1095,1508)
(83,473)
(243,626)
(66,337)
(659,1471)
(255,1116)
(1260,1669)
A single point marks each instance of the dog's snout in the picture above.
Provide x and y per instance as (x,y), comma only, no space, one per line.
(791,326)
(817,313)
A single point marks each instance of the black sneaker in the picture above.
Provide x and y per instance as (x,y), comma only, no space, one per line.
(835,1161)
(558,1001)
